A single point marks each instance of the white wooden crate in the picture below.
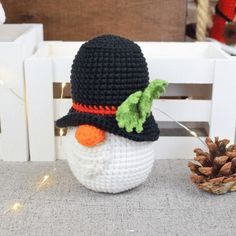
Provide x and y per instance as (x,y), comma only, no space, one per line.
(190,68)
(17,41)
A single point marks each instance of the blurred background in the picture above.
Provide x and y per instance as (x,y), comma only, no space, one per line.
(149,20)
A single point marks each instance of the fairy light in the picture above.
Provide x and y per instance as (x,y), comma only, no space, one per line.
(2,83)
(45,181)
(61,132)
(45,178)
(16,207)
(63,85)
(194,134)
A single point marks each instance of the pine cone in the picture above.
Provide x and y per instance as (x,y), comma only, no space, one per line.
(215,172)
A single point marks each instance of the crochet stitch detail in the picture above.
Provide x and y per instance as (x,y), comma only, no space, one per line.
(89,135)
(104,73)
(135,110)
(99,110)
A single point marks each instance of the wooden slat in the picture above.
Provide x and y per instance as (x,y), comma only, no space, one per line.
(193,71)
(62,69)
(165,147)
(81,20)
(1,151)
(181,110)
(60,143)
(61,107)
(38,75)
(177,147)
(197,91)
(223,113)
(173,91)
(193,66)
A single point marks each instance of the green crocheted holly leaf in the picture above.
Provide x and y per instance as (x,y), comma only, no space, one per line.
(127,114)
(153,91)
(134,111)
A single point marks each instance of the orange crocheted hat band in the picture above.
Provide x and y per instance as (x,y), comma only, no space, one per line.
(98,110)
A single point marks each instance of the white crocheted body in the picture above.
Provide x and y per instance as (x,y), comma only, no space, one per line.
(115,165)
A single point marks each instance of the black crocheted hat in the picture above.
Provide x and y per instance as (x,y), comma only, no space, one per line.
(105,71)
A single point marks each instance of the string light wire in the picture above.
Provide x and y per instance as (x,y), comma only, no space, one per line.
(63,85)
(45,181)
(61,131)
(194,134)
(2,83)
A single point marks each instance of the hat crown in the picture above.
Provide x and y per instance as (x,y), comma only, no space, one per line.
(106,70)
(111,42)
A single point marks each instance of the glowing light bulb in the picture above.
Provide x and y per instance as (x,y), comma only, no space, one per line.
(46,181)
(16,207)
(63,85)
(193,133)
(61,132)
(45,178)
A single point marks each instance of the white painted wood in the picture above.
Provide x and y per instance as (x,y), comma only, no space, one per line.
(189,63)
(178,63)
(192,110)
(62,69)
(60,147)
(183,110)
(1,136)
(1,151)
(16,43)
(223,114)
(61,107)
(40,109)
(190,71)
(165,147)
(177,147)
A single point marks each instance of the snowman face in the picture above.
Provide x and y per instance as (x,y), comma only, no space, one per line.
(116,164)
(92,159)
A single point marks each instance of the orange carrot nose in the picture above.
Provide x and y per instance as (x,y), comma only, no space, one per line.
(89,135)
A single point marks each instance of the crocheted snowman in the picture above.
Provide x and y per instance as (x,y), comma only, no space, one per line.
(111,127)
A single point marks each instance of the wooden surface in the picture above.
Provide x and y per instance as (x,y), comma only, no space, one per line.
(143,20)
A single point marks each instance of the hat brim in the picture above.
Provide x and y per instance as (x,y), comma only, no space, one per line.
(108,123)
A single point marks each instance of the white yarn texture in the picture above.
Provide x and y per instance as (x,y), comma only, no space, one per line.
(115,165)
(2,15)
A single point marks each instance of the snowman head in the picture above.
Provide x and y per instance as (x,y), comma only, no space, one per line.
(111,92)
